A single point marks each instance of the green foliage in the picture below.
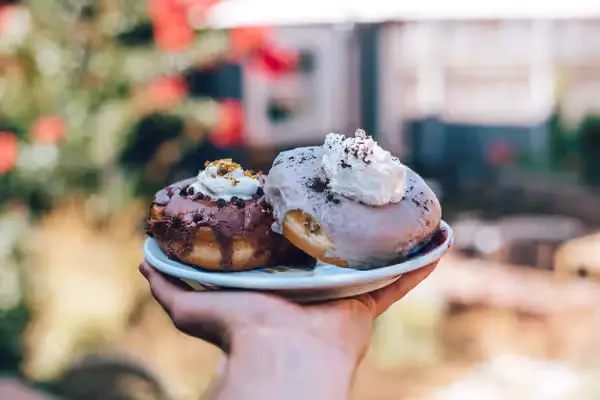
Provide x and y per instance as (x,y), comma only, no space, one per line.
(84,61)
(12,323)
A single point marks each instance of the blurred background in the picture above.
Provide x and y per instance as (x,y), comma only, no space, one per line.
(103,102)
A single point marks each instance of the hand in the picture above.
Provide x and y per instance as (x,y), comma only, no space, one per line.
(307,341)
(224,318)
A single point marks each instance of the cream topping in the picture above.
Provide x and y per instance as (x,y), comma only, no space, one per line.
(225,179)
(359,169)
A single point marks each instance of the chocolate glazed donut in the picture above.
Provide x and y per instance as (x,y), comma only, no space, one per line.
(216,234)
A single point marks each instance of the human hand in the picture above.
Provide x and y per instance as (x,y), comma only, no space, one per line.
(268,337)
(226,318)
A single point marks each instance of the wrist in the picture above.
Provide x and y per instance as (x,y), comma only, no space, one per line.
(301,345)
(290,365)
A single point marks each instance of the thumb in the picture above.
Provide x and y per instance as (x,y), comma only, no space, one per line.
(385,297)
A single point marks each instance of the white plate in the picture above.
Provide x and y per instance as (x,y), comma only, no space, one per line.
(323,282)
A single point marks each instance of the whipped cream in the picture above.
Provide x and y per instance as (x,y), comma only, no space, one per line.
(358,168)
(224,179)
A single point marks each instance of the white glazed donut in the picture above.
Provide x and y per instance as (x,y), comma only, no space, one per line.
(341,231)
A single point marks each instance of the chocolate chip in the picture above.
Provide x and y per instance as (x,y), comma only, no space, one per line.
(234,199)
(239,203)
(198,196)
(183,191)
(221,203)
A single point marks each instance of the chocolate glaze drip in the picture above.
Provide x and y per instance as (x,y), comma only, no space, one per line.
(226,243)
(184,213)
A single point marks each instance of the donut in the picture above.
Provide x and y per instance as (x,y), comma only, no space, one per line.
(219,221)
(366,216)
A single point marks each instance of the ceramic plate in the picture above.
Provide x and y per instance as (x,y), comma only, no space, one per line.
(318,283)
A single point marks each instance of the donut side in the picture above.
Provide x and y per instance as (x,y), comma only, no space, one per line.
(305,233)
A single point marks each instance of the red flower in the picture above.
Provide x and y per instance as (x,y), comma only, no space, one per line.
(9,151)
(276,62)
(4,17)
(172,32)
(229,130)
(48,129)
(248,40)
(167,91)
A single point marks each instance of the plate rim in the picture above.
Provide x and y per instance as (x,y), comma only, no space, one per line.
(261,282)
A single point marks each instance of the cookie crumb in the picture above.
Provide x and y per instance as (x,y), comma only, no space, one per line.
(317,184)
(332,199)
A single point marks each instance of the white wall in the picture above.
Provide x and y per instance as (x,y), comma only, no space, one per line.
(490,72)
